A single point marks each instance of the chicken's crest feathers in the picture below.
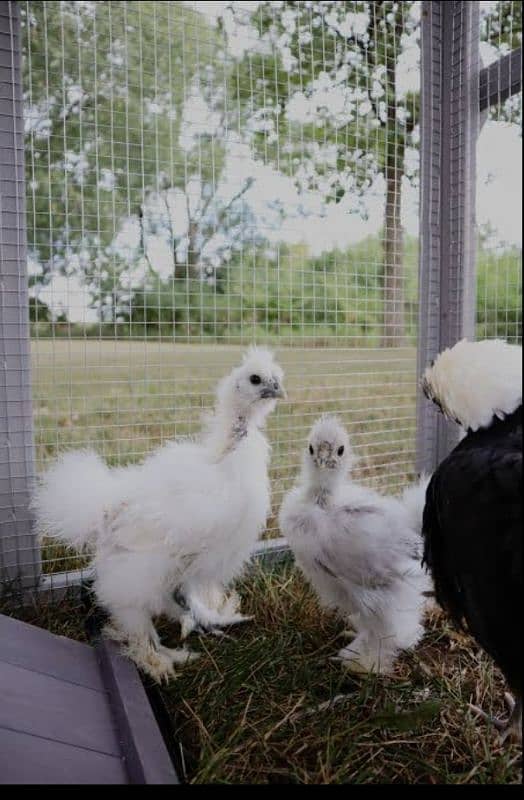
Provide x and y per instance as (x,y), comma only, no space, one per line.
(262,360)
(330,428)
(474,382)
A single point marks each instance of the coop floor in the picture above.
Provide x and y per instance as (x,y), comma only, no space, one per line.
(240,713)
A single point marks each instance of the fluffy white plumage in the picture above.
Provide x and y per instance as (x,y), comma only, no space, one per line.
(474,381)
(170,534)
(360,550)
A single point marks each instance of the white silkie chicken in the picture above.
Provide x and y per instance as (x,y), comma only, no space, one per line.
(170,534)
(360,550)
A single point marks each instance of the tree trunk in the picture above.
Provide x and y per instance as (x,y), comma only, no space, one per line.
(193,252)
(393,321)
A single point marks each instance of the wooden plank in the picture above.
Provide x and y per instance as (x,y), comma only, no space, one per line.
(26,759)
(45,706)
(146,757)
(36,649)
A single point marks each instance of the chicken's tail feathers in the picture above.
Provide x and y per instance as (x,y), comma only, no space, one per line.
(413,499)
(71,498)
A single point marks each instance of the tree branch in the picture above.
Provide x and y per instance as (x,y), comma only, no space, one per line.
(171,231)
(143,240)
(247,185)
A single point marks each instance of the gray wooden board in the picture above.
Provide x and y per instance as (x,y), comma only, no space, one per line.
(45,706)
(26,759)
(70,713)
(142,744)
(36,649)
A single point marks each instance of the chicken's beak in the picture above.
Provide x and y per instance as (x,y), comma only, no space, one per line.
(274,390)
(280,392)
(424,385)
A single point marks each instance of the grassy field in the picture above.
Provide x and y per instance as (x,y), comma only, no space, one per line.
(126,397)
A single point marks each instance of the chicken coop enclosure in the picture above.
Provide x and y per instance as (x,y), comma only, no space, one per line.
(178,180)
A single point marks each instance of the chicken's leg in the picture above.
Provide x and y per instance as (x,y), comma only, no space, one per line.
(198,616)
(367,654)
(351,630)
(134,628)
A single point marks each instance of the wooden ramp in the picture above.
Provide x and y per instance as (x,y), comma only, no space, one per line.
(75,714)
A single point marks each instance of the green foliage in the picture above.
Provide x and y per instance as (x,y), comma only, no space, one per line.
(499,295)
(502,25)
(337,294)
(39,311)
(290,296)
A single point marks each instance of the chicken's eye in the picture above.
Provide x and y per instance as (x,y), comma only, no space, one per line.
(311,449)
(340,450)
(255,379)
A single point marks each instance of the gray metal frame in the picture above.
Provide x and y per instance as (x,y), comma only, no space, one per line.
(455,97)
(501,79)
(450,123)
(19,552)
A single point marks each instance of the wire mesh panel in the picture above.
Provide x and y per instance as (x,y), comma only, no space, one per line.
(203,176)
(499,177)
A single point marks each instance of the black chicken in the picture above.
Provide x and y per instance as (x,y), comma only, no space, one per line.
(472,524)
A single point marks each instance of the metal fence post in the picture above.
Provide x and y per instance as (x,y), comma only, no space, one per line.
(19,551)
(450,117)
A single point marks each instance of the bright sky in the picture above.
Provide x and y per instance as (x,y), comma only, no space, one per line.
(499,190)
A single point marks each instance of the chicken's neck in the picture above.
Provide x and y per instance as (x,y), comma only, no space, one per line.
(321,489)
(320,496)
(227,431)
(321,486)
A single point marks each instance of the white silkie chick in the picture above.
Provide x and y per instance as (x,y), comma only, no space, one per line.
(360,550)
(169,535)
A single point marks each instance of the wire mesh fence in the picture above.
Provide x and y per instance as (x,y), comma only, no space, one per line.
(499,192)
(203,176)
(188,186)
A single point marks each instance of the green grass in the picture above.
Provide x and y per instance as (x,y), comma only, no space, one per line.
(126,397)
(241,710)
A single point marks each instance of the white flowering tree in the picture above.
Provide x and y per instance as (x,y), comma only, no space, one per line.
(331,110)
